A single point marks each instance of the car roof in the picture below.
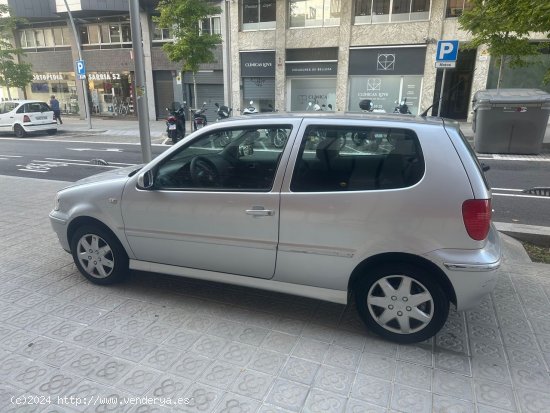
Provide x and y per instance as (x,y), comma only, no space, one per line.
(22,101)
(390,117)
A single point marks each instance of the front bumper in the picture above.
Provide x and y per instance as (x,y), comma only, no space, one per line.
(472,273)
(59,225)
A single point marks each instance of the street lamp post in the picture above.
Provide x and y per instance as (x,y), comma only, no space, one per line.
(141,94)
(84,88)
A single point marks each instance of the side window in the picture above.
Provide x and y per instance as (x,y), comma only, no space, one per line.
(9,106)
(244,159)
(357,159)
(3,108)
(22,109)
(44,107)
(34,107)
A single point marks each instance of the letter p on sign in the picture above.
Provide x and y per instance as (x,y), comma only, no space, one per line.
(447,50)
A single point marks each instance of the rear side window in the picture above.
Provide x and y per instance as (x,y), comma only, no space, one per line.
(357,159)
(6,107)
(37,107)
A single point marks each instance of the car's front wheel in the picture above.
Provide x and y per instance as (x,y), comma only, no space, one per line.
(19,131)
(98,255)
(402,302)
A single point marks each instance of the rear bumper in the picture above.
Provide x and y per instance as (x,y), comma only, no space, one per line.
(39,127)
(472,273)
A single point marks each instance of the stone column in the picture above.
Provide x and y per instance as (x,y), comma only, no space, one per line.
(149,84)
(234,60)
(343,56)
(280,55)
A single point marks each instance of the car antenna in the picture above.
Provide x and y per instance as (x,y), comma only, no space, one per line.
(423,114)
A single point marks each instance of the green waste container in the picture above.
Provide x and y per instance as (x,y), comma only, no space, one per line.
(511,121)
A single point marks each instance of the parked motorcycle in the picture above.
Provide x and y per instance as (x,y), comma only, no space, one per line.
(199,118)
(367,138)
(175,123)
(251,109)
(223,112)
(402,107)
(277,137)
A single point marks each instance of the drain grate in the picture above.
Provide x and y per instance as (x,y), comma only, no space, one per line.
(544,191)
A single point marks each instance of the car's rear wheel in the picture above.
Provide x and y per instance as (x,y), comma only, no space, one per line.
(98,255)
(402,302)
(51,131)
(19,131)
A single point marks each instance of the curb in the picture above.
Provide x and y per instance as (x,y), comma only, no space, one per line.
(531,233)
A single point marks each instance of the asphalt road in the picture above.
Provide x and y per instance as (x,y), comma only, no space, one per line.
(69,160)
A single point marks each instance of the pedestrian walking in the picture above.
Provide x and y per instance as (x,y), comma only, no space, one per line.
(54,103)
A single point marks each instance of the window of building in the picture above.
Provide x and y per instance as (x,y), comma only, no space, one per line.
(161,34)
(211,25)
(314,13)
(114,33)
(383,11)
(48,37)
(57,36)
(456,7)
(83,31)
(94,34)
(336,159)
(29,36)
(258,14)
(66,35)
(126,32)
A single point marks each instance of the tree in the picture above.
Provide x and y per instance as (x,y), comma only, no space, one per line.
(504,27)
(191,46)
(12,74)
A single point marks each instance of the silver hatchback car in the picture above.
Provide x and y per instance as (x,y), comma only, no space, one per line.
(393,212)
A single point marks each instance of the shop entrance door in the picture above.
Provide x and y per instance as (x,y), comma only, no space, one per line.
(458,85)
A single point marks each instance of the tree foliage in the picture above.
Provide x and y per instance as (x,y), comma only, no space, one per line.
(190,46)
(12,74)
(504,27)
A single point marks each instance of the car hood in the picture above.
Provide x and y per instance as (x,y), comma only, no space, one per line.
(121,174)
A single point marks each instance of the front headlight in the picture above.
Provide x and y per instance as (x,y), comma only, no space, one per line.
(56,203)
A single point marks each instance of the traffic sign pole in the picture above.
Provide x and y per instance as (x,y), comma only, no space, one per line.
(445,57)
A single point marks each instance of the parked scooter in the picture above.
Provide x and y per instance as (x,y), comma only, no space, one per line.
(222,111)
(277,137)
(402,107)
(175,123)
(251,109)
(199,118)
(224,138)
(368,139)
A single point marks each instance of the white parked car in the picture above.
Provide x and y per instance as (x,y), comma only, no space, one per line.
(26,116)
(403,225)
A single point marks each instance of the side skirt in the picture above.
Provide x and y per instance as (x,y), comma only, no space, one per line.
(335,296)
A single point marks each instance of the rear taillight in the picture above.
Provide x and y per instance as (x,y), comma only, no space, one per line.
(171,119)
(477,217)
(26,118)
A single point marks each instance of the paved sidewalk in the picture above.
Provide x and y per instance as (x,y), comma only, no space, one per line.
(232,349)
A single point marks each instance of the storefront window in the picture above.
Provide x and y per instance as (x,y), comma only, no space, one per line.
(531,76)
(320,91)
(456,7)
(258,14)
(57,36)
(62,85)
(314,13)
(105,38)
(111,93)
(385,92)
(48,37)
(29,36)
(84,35)
(380,11)
(67,35)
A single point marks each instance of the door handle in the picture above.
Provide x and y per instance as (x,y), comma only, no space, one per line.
(260,211)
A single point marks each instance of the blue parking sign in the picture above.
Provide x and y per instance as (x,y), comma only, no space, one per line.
(80,69)
(447,51)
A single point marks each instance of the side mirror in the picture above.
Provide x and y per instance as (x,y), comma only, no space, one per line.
(145,180)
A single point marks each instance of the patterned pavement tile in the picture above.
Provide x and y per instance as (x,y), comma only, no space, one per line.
(310,349)
(342,357)
(378,366)
(371,390)
(190,365)
(237,353)
(234,403)
(252,384)
(266,361)
(321,401)
(202,398)
(334,380)
(446,404)
(408,399)
(495,395)
(414,375)
(220,374)
(138,380)
(454,385)
(288,395)
(281,342)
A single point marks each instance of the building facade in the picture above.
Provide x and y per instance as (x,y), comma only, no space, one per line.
(280,54)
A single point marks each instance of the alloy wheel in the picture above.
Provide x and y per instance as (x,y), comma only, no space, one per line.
(95,256)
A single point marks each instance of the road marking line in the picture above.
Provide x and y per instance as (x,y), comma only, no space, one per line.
(11,156)
(523,196)
(515,159)
(507,189)
(80,160)
(34,170)
(87,142)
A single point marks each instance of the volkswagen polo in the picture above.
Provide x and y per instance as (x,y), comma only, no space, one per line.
(402,227)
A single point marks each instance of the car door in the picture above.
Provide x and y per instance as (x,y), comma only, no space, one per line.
(7,115)
(214,204)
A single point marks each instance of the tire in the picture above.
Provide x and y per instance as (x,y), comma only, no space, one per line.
(173,135)
(51,131)
(86,257)
(278,138)
(411,308)
(19,131)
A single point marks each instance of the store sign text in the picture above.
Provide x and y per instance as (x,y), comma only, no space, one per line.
(258,64)
(47,76)
(104,76)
